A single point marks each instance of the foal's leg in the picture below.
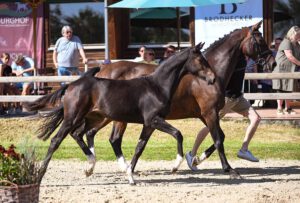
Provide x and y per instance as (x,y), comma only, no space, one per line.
(90,125)
(55,142)
(90,135)
(78,137)
(160,124)
(116,142)
(144,137)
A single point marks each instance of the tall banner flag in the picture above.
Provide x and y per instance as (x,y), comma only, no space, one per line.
(16,31)
(213,22)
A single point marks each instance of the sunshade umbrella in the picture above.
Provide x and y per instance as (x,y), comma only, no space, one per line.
(170,3)
(158,17)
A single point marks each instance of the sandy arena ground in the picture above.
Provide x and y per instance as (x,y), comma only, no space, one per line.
(266,181)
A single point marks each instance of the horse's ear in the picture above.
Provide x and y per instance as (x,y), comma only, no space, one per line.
(199,46)
(257,25)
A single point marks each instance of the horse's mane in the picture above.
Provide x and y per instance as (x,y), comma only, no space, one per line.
(173,56)
(220,41)
(168,60)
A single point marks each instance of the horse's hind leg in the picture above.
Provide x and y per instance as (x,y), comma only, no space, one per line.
(90,134)
(116,142)
(89,126)
(144,137)
(160,124)
(55,142)
(78,137)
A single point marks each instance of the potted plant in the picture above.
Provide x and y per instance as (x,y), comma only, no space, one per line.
(18,176)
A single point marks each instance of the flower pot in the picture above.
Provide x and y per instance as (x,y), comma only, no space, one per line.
(19,193)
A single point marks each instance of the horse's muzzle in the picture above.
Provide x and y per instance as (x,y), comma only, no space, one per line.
(210,78)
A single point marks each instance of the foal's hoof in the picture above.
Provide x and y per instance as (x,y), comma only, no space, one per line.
(233,174)
(88,173)
(132,184)
(178,161)
(174,170)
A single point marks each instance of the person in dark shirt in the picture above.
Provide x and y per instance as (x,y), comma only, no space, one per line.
(5,70)
(234,101)
(169,51)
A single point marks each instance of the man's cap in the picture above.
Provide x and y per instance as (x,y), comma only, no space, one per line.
(19,58)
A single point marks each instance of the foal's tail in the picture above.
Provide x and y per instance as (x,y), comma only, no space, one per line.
(51,100)
(52,120)
(54,117)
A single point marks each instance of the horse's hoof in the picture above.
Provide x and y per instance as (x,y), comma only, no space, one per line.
(233,174)
(122,164)
(88,173)
(178,161)
(130,176)
(174,170)
(132,184)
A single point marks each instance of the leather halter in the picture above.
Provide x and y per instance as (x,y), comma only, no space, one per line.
(263,56)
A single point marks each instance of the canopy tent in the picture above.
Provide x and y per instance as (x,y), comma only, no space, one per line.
(171,3)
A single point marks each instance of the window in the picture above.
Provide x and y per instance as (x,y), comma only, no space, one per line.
(86,20)
(158,25)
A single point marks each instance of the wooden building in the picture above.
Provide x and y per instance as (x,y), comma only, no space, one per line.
(119,29)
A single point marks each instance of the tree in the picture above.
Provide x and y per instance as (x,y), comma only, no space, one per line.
(87,25)
(291,11)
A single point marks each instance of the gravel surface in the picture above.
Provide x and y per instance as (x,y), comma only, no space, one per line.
(265,181)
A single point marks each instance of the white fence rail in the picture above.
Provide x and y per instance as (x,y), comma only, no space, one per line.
(248,76)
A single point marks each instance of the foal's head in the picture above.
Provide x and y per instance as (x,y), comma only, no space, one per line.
(255,46)
(198,65)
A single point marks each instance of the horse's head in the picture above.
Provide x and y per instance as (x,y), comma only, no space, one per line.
(255,47)
(198,65)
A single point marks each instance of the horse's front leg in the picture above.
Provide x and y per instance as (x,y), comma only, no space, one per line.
(160,124)
(116,143)
(144,137)
(218,137)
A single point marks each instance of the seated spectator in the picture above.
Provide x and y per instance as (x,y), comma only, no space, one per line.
(7,88)
(141,53)
(149,57)
(5,70)
(169,51)
(23,66)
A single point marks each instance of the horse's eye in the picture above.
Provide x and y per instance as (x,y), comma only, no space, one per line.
(257,34)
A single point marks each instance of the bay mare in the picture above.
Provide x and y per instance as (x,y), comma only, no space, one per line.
(193,97)
(144,100)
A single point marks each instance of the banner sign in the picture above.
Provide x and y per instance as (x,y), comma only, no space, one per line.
(213,22)
(16,31)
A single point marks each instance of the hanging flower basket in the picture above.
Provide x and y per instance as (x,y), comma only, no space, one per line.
(14,193)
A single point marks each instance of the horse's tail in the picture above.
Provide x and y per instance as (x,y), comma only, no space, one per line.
(49,100)
(52,120)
